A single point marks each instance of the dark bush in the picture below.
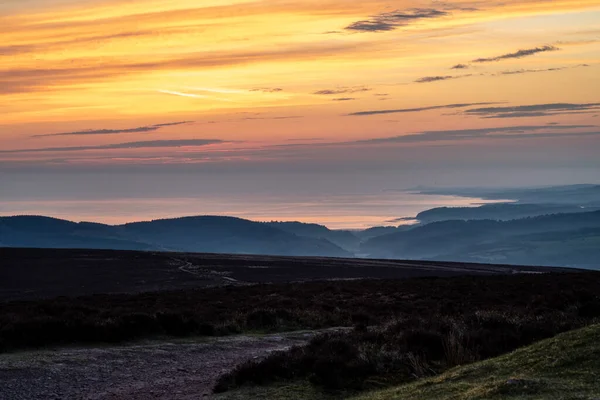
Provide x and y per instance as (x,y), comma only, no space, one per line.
(508,304)
(402,350)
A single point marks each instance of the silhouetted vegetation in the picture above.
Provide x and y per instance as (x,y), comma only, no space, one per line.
(405,349)
(559,300)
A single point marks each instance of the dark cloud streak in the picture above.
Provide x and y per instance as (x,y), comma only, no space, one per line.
(409,110)
(267,90)
(392,20)
(518,54)
(128,145)
(342,90)
(509,132)
(534,110)
(141,129)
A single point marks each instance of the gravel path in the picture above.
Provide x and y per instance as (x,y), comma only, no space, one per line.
(159,370)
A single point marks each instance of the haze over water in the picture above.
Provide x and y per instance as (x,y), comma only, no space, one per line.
(349,201)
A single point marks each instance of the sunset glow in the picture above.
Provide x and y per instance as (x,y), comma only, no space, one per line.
(299,84)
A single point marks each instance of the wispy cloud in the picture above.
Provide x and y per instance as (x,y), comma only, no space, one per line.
(518,54)
(344,99)
(19,80)
(532,71)
(183,94)
(271,118)
(128,145)
(141,129)
(460,66)
(534,110)
(191,95)
(429,79)
(392,20)
(342,90)
(255,117)
(419,109)
(267,90)
(508,132)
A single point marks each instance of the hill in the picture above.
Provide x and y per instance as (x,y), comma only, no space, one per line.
(499,212)
(45,232)
(196,234)
(344,239)
(565,366)
(573,238)
(585,194)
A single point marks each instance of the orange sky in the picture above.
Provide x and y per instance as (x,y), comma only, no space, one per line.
(203,81)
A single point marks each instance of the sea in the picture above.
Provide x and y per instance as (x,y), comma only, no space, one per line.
(342,211)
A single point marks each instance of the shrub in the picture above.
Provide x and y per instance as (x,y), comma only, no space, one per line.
(402,350)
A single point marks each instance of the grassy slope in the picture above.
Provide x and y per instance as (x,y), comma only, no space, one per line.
(565,367)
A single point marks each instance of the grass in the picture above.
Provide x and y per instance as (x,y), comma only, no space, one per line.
(564,367)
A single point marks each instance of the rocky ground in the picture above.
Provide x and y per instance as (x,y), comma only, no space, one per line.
(154,370)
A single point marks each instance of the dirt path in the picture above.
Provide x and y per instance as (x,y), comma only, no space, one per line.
(203,272)
(159,370)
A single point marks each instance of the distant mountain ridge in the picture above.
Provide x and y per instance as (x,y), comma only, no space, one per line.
(560,240)
(555,226)
(193,234)
(499,212)
(581,194)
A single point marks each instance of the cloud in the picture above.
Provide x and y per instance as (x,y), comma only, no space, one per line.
(88,70)
(345,99)
(128,145)
(428,137)
(191,95)
(141,129)
(271,118)
(534,110)
(61,44)
(460,66)
(507,132)
(529,71)
(254,117)
(392,20)
(518,54)
(342,90)
(173,124)
(267,90)
(410,110)
(428,79)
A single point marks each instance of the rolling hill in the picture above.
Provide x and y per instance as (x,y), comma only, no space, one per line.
(554,240)
(194,234)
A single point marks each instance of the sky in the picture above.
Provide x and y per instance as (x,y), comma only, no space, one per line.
(294,94)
